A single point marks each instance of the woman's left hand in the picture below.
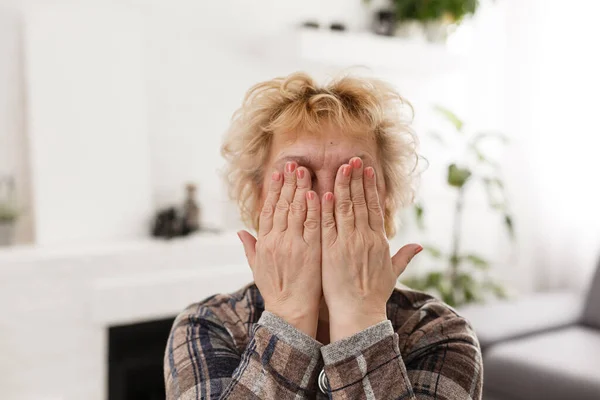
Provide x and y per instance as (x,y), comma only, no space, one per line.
(358,275)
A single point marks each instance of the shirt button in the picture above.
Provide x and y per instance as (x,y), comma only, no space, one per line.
(323,382)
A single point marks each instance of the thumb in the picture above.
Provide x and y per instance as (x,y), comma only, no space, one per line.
(401,259)
(249,243)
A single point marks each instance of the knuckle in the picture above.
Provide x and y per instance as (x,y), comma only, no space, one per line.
(298,208)
(359,200)
(267,209)
(282,205)
(311,224)
(374,206)
(329,222)
(344,207)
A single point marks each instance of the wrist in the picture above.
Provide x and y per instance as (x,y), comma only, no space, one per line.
(346,324)
(305,320)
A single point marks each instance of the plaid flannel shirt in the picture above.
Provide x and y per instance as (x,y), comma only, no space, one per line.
(228,347)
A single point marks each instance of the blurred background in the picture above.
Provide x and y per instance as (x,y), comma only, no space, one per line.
(113,215)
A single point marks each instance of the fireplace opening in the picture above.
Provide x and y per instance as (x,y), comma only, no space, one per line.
(135,360)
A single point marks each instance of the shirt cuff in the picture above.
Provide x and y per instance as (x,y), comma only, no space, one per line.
(290,335)
(356,344)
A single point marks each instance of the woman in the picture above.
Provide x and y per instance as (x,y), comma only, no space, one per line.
(319,173)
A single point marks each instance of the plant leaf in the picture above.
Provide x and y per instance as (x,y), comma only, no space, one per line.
(419,215)
(448,296)
(508,221)
(496,289)
(434,279)
(463,280)
(450,117)
(433,251)
(457,177)
(414,283)
(472,295)
(489,190)
(8,213)
(477,261)
(498,182)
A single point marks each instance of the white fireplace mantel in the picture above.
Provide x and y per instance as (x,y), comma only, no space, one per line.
(58,303)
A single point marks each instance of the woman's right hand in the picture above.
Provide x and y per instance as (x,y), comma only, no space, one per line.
(286,258)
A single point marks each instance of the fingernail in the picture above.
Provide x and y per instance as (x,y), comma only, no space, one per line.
(300,173)
(357,163)
(275,176)
(290,166)
(370,172)
(347,170)
(418,250)
(328,196)
(310,195)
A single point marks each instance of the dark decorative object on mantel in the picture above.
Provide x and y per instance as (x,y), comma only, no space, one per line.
(384,23)
(191,211)
(311,24)
(169,222)
(337,26)
(334,26)
(166,224)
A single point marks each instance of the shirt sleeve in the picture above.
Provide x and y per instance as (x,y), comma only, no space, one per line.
(443,362)
(202,361)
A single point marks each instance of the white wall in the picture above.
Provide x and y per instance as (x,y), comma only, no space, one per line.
(202,56)
(87,124)
(200,62)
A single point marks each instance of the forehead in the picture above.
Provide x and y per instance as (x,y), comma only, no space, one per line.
(326,148)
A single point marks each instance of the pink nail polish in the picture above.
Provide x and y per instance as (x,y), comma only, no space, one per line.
(357,163)
(300,173)
(310,195)
(347,170)
(290,166)
(419,249)
(370,172)
(275,176)
(328,196)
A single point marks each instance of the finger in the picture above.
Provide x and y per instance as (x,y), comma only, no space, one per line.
(328,226)
(312,224)
(297,214)
(401,259)
(344,213)
(376,217)
(282,207)
(249,243)
(357,193)
(265,223)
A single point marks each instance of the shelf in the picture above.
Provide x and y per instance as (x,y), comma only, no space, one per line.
(208,243)
(363,49)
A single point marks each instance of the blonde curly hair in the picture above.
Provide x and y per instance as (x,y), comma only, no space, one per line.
(356,105)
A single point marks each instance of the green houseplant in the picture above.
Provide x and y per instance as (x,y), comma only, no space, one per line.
(452,11)
(435,18)
(466,278)
(8,212)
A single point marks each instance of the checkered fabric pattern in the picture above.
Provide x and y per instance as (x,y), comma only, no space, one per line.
(228,347)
